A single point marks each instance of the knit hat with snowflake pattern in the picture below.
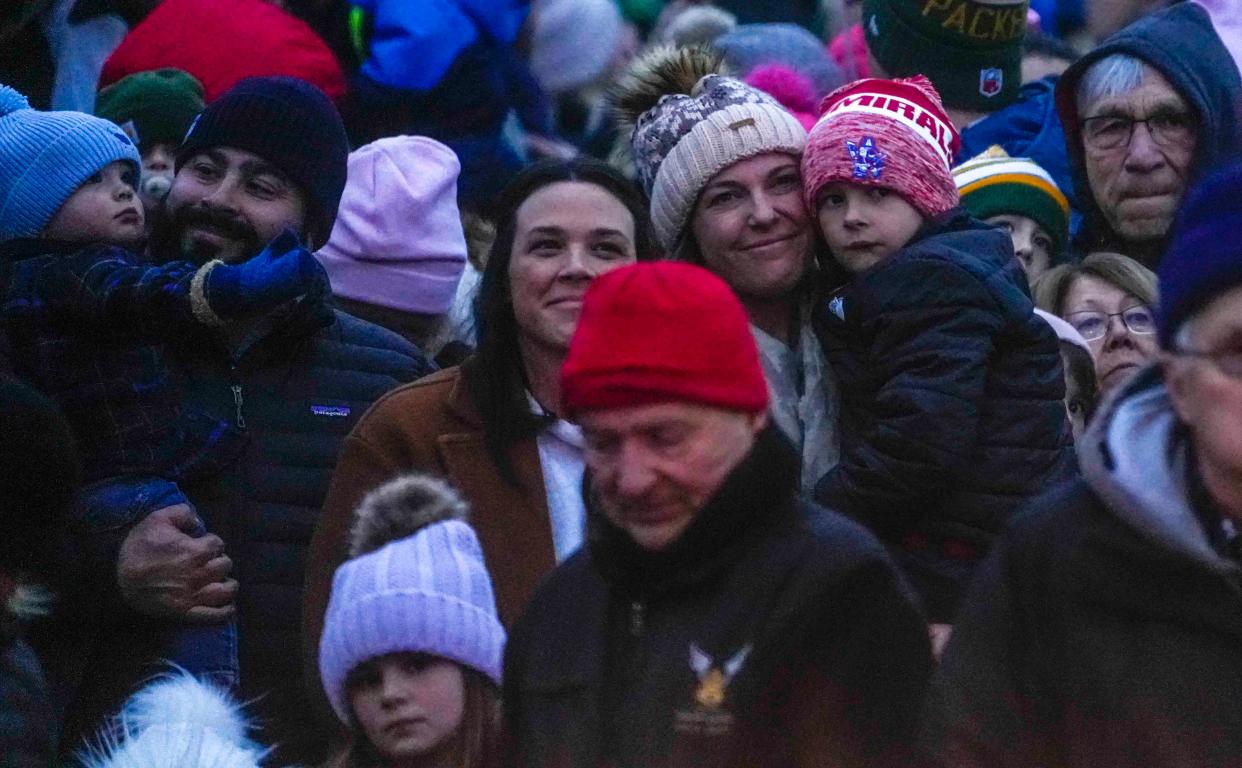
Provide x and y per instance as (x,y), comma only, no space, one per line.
(690,123)
(884,133)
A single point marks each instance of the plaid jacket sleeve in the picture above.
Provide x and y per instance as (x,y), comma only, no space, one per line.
(109,288)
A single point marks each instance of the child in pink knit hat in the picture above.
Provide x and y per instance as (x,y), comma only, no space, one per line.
(951,387)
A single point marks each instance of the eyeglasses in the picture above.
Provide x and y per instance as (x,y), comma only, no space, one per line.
(1227,361)
(1167,128)
(1093,325)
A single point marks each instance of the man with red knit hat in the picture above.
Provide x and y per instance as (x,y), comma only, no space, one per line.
(951,386)
(712,619)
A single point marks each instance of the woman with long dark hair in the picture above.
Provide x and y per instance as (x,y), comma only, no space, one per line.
(490,426)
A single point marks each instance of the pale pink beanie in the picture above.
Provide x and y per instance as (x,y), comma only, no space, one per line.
(398,239)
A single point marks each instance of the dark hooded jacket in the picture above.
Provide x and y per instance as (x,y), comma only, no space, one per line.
(1106,627)
(770,633)
(1181,43)
(951,391)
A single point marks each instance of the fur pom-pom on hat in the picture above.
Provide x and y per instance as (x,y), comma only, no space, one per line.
(178,722)
(662,71)
(401,508)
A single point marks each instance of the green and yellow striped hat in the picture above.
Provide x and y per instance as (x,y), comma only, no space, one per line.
(993,183)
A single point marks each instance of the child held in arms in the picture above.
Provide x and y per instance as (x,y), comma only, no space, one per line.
(950,385)
(86,319)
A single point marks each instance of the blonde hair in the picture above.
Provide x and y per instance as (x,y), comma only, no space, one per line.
(1121,272)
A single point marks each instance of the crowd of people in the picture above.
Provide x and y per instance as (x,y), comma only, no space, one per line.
(579,383)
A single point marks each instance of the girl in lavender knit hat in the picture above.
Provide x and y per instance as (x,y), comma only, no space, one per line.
(410,655)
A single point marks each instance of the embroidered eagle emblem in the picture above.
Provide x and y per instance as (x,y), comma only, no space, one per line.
(869,161)
(714,679)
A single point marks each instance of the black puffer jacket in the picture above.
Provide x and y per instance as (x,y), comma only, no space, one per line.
(1182,45)
(770,633)
(295,389)
(951,392)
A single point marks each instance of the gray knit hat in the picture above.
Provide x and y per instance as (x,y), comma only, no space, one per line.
(690,123)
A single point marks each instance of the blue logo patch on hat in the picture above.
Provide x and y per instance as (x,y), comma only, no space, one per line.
(991,81)
(869,161)
(123,138)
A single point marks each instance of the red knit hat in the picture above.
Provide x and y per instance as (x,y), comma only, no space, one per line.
(661,332)
(221,42)
(887,133)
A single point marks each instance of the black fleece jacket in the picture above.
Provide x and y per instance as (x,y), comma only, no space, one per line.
(770,633)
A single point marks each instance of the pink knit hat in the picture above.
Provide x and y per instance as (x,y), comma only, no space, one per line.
(398,239)
(886,133)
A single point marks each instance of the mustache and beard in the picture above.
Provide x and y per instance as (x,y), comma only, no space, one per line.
(170,238)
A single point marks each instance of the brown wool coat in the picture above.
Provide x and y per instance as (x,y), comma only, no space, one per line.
(431,425)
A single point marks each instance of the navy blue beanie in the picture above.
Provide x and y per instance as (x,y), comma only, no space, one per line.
(1203,260)
(289,123)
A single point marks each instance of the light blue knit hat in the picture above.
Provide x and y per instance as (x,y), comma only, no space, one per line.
(45,157)
(417,582)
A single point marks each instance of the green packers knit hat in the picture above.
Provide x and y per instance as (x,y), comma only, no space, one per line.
(993,184)
(971,50)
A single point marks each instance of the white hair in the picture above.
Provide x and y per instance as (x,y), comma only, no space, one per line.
(1111,76)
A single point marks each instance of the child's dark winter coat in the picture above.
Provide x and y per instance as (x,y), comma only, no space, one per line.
(951,394)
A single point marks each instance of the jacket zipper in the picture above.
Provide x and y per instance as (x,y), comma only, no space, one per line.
(636,619)
(238,400)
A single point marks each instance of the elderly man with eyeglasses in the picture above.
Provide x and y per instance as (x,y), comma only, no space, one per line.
(1145,114)
(1106,626)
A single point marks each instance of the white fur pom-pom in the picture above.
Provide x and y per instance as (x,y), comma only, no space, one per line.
(177,722)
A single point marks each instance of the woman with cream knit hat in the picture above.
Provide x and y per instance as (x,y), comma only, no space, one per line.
(719,161)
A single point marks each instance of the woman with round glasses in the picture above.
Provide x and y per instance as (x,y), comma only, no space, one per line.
(1110,299)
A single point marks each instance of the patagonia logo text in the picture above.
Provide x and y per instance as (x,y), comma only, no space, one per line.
(333,411)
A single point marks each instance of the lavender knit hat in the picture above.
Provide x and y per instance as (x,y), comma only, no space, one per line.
(416,583)
(690,123)
(398,239)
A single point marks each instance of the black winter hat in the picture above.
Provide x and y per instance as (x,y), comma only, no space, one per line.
(289,123)
(39,476)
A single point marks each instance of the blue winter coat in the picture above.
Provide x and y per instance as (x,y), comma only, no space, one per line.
(951,391)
